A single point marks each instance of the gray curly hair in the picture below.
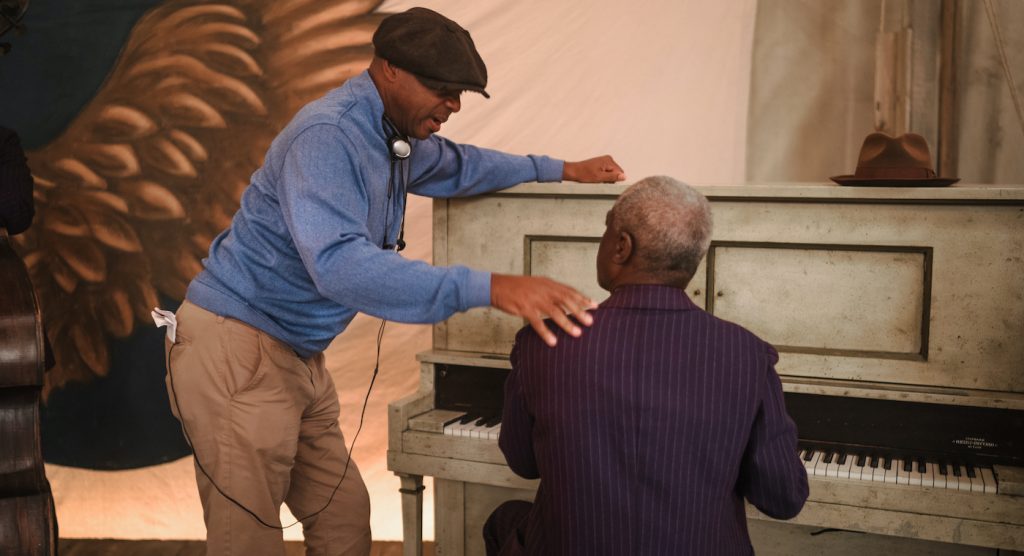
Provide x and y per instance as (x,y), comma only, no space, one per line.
(670,223)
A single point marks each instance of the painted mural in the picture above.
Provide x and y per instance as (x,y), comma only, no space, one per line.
(141,145)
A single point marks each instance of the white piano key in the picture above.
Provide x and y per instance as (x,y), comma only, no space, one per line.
(494,432)
(451,429)
(964,483)
(977,482)
(860,472)
(938,477)
(952,481)
(914,477)
(928,479)
(478,429)
(877,472)
(989,479)
(819,464)
(472,430)
(843,471)
(891,473)
(485,432)
(902,477)
(832,468)
(809,465)
(931,477)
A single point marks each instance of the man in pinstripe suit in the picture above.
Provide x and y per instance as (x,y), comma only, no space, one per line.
(649,431)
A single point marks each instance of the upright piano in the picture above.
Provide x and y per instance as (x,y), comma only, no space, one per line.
(898,314)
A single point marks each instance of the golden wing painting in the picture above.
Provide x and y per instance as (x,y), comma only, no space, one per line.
(140,152)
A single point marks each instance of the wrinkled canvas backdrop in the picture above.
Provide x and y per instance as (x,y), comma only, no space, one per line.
(661,85)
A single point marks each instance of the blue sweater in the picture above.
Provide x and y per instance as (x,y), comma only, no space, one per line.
(304,252)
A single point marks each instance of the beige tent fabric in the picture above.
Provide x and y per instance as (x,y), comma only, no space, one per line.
(660,84)
(991,138)
(812,88)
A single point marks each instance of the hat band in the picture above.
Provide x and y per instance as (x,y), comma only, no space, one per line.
(894,172)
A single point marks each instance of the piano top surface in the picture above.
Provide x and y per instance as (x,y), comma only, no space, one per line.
(959,192)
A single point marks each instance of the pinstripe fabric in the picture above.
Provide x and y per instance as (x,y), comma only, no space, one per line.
(648,431)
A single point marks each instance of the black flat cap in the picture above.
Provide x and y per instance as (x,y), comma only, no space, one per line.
(438,51)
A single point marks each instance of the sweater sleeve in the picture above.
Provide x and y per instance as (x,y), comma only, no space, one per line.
(16,204)
(442,168)
(772,477)
(325,206)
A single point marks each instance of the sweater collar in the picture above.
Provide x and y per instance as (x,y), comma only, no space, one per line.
(363,88)
(649,296)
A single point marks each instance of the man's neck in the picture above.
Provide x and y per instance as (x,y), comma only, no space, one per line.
(378,84)
(648,279)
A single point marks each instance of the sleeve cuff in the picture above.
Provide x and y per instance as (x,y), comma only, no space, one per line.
(478,290)
(548,169)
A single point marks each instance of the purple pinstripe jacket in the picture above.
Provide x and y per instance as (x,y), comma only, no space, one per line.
(649,431)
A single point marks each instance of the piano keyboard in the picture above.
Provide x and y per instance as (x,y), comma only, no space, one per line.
(474,426)
(896,471)
(818,462)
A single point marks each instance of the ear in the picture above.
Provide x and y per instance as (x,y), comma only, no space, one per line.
(624,248)
(389,70)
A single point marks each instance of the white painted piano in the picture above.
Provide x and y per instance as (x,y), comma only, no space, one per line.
(898,314)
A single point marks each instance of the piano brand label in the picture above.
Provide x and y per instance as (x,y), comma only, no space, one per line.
(974,442)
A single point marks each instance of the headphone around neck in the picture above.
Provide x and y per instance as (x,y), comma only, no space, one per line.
(400,150)
(397,143)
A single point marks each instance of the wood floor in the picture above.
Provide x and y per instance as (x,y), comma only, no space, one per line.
(108,547)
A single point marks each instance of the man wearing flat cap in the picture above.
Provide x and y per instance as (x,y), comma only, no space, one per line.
(314,242)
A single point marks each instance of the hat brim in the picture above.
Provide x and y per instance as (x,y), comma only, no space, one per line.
(892,182)
(435,84)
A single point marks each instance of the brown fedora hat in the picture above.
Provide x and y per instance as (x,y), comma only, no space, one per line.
(902,161)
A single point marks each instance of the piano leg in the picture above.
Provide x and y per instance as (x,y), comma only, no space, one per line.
(412,514)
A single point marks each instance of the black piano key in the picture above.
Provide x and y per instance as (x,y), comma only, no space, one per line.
(970,472)
(873,462)
(828,456)
(467,418)
(942,468)
(480,421)
(842,458)
(908,465)
(888,464)
(493,421)
(861,458)
(920,465)
(453,420)
(956,469)
(808,455)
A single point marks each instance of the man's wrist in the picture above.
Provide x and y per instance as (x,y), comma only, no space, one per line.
(569,172)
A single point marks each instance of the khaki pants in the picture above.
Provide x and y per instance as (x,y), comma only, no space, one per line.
(263,424)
